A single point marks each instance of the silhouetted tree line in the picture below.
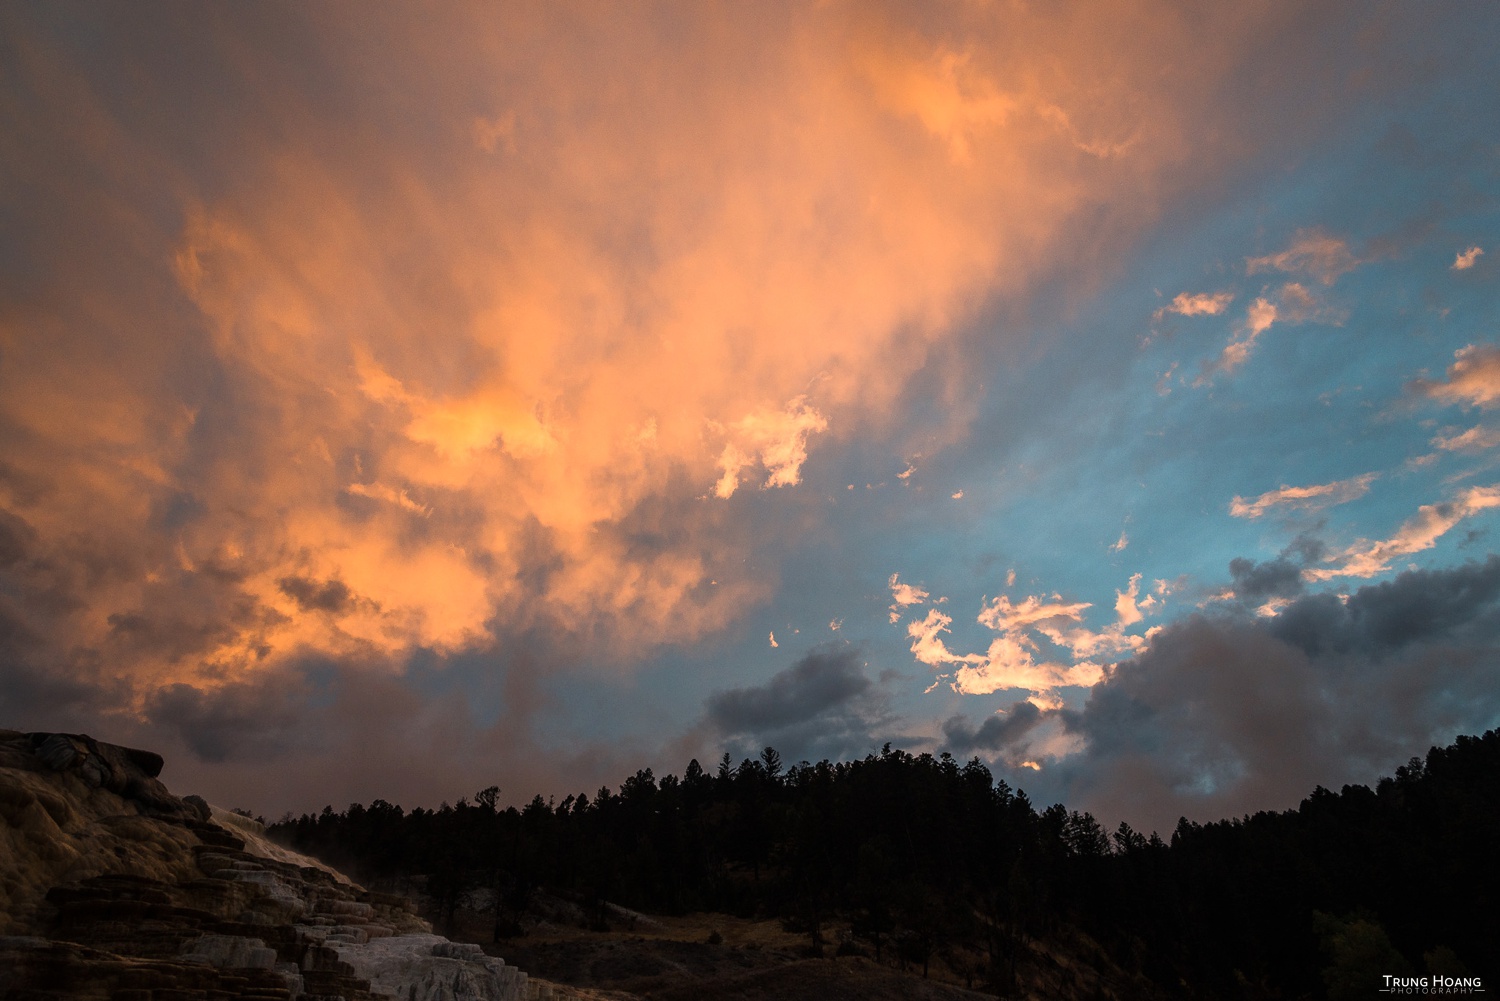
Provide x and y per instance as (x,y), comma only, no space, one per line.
(923,856)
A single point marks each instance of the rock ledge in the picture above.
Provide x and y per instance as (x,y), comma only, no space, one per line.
(112,888)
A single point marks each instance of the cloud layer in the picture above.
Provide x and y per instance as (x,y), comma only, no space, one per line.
(822,706)
(357,363)
(1226,714)
(382,388)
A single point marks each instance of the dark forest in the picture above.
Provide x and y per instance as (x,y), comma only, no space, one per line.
(922,860)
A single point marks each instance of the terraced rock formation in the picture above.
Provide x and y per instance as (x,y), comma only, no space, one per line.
(111,888)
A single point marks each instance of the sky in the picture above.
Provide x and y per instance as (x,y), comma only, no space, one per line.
(397,401)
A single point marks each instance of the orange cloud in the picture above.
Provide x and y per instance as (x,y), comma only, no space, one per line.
(1473,378)
(1466,259)
(928,645)
(1126,608)
(1305,498)
(487,342)
(1199,304)
(903,596)
(1012,661)
(1476,439)
(1003,616)
(1421,531)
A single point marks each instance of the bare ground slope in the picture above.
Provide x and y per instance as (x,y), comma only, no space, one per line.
(712,956)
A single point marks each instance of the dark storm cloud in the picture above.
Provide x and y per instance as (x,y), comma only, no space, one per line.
(821,706)
(819,682)
(36,698)
(1255,583)
(1278,578)
(43,684)
(16,538)
(1455,605)
(325,731)
(15,634)
(1227,714)
(996,733)
(239,721)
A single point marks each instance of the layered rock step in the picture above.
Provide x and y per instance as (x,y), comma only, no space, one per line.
(155,898)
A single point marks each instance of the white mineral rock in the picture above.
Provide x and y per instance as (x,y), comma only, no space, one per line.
(431,968)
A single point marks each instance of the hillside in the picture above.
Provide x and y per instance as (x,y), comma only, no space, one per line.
(113,888)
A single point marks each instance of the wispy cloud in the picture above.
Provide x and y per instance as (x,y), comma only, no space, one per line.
(1313,252)
(1420,532)
(1292,303)
(1258,319)
(1163,384)
(1310,498)
(1475,439)
(1127,611)
(379,491)
(1002,615)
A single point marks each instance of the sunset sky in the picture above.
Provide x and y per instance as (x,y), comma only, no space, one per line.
(399,400)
